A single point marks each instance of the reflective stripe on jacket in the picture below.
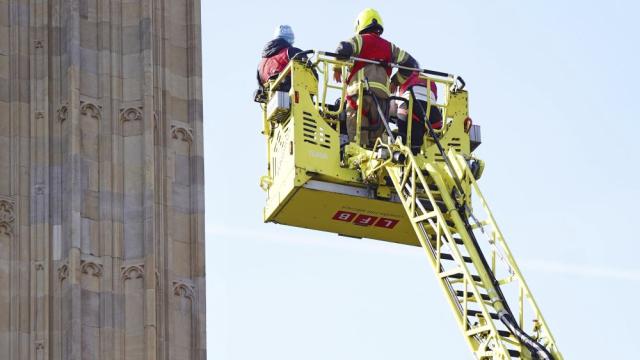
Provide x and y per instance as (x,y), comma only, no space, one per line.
(372,47)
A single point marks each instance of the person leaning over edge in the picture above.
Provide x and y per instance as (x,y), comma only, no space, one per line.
(276,56)
(368,44)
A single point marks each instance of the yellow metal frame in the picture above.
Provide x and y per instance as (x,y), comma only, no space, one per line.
(490,226)
(436,229)
(445,86)
(304,150)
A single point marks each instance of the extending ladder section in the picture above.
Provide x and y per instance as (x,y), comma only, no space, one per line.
(468,281)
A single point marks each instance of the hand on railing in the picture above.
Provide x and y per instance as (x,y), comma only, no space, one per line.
(337,74)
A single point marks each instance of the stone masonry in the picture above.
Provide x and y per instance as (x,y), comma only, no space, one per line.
(101,180)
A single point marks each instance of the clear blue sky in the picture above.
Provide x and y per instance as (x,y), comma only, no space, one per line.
(554,86)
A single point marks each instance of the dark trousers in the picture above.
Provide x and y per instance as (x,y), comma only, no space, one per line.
(418,127)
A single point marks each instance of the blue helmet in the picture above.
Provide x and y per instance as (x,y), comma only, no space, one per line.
(284,32)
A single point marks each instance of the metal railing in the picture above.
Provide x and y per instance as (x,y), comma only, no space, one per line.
(325,63)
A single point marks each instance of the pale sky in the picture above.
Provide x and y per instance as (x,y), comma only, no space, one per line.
(553,86)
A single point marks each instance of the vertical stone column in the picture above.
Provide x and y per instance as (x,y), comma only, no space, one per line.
(179,74)
(7,202)
(101,180)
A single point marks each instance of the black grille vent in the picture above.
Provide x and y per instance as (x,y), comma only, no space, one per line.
(313,134)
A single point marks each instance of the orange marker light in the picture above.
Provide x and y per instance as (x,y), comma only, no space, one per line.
(467,124)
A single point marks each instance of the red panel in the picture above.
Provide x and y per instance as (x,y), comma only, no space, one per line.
(365,220)
(344,216)
(386,223)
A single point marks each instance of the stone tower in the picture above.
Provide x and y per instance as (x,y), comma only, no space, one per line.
(101,180)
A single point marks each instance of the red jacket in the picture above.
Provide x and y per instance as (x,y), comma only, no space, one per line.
(373,48)
(414,79)
(435,117)
(272,66)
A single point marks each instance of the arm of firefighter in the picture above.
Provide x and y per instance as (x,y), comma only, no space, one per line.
(349,48)
(345,50)
(402,58)
(395,83)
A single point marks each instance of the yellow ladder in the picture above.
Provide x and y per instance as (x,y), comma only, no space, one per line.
(464,275)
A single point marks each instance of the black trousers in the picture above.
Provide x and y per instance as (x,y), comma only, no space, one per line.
(417,134)
(418,128)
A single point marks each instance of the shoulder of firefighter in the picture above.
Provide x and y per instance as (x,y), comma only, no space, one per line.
(354,46)
(372,46)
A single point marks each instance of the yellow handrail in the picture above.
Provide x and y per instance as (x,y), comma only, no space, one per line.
(443,106)
(326,62)
(524,291)
(273,84)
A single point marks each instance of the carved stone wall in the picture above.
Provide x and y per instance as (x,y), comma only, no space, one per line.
(101,180)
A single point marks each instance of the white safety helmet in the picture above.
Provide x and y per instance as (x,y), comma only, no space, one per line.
(284,32)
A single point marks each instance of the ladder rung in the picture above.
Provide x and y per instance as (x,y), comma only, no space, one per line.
(432,188)
(478,330)
(486,328)
(424,217)
(494,316)
(490,354)
(446,256)
(460,293)
(458,241)
(475,278)
(426,175)
(428,205)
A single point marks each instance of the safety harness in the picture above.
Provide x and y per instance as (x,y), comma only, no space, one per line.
(373,47)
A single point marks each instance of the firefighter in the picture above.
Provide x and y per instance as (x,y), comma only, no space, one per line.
(368,44)
(400,109)
(276,56)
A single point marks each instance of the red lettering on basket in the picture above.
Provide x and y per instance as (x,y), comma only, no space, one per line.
(365,220)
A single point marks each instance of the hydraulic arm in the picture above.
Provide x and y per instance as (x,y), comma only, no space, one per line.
(442,227)
(434,197)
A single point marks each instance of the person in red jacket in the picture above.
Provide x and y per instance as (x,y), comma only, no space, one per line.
(368,44)
(400,109)
(276,56)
